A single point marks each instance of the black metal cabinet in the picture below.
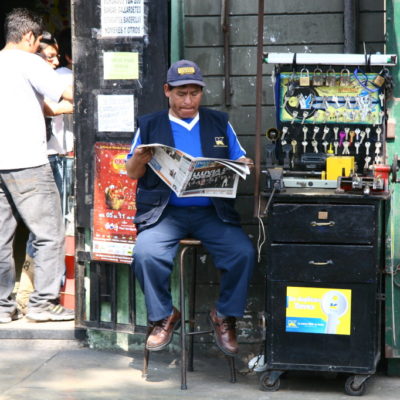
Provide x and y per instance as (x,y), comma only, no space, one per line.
(324,264)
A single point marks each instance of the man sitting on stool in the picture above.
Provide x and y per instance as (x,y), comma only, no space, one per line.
(163,219)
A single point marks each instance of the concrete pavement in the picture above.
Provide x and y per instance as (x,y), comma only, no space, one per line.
(36,369)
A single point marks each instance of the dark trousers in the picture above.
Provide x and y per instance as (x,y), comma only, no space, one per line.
(156,247)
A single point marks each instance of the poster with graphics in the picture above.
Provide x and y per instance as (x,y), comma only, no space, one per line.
(318,310)
(114,231)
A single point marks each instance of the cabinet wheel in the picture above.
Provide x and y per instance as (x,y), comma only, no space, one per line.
(353,390)
(267,385)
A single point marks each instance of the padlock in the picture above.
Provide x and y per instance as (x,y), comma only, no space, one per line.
(330,79)
(344,79)
(380,78)
(318,78)
(304,77)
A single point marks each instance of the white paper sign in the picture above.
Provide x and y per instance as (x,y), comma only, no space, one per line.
(122,18)
(115,113)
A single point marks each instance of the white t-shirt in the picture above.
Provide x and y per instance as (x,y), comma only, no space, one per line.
(25,79)
(62,139)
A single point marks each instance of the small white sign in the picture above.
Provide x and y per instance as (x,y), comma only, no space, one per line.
(115,113)
(122,18)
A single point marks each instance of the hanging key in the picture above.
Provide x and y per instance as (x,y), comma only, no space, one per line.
(367,132)
(342,137)
(357,146)
(357,131)
(378,160)
(362,136)
(336,131)
(293,143)
(381,99)
(347,102)
(346,145)
(285,130)
(367,161)
(378,146)
(316,130)
(305,130)
(305,115)
(314,144)
(338,114)
(336,145)
(325,145)
(304,77)
(326,131)
(304,144)
(346,131)
(295,114)
(352,134)
(378,132)
(367,146)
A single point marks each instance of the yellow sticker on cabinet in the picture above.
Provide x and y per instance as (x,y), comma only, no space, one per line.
(318,310)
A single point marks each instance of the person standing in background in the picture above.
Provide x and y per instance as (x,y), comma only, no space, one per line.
(27,186)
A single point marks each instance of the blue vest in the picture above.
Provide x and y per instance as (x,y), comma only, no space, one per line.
(153,194)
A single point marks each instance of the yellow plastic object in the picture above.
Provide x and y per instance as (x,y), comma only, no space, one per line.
(339,166)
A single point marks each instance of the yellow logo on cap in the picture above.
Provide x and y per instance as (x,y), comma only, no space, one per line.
(186,70)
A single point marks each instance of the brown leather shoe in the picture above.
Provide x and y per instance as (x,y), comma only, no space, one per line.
(161,335)
(224,333)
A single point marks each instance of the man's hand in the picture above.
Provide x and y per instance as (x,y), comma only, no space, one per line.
(136,165)
(247,161)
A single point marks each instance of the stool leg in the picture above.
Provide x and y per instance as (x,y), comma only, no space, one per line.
(183,313)
(192,312)
(232,368)
(146,355)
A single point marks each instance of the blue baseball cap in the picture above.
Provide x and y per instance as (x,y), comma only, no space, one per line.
(184,72)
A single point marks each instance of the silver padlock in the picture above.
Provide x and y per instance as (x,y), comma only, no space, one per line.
(330,79)
(344,79)
(318,77)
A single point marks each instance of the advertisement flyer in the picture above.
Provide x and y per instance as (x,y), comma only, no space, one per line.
(114,231)
(318,310)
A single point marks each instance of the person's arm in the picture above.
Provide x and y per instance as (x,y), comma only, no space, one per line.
(136,165)
(68,94)
(51,109)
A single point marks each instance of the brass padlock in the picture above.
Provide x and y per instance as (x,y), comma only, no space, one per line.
(304,77)
(330,79)
(344,79)
(318,78)
(380,78)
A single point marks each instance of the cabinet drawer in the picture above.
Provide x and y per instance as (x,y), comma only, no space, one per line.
(322,263)
(322,223)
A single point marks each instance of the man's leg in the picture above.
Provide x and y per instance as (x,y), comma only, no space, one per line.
(234,255)
(8,225)
(37,200)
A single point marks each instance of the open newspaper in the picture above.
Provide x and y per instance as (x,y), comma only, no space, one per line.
(191,176)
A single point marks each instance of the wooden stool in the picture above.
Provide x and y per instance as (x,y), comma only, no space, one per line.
(187,353)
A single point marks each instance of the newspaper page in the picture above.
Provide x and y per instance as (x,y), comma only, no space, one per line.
(191,176)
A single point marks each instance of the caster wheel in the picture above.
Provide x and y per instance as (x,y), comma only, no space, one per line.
(351,389)
(267,385)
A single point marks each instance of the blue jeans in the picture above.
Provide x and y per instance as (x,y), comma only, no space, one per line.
(56,165)
(32,194)
(231,249)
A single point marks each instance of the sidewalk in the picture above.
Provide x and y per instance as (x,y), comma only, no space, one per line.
(64,370)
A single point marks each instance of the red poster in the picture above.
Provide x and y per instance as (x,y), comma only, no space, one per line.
(114,231)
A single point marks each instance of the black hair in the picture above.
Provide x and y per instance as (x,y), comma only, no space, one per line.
(48,38)
(64,44)
(21,21)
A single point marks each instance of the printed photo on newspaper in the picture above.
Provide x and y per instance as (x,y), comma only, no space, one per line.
(191,176)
